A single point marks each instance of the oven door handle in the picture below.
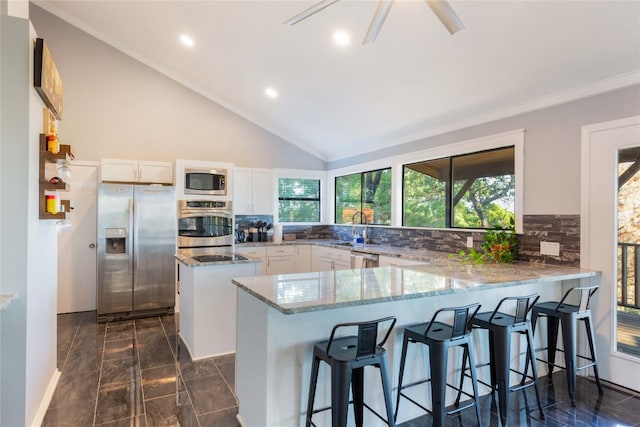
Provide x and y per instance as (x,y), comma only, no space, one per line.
(196,213)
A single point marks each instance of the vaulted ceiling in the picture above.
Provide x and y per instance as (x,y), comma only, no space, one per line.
(416,80)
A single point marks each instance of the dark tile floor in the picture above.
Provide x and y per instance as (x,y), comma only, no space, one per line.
(125,374)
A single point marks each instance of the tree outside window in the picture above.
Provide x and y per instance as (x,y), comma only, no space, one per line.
(298,200)
(364,195)
(469,191)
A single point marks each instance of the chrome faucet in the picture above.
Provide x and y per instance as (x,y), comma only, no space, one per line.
(353,224)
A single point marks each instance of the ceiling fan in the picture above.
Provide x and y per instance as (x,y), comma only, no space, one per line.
(441,8)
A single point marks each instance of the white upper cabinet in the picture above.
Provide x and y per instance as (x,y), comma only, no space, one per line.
(117,170)
(252,191)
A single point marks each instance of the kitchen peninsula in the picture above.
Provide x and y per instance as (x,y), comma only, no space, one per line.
(280,317)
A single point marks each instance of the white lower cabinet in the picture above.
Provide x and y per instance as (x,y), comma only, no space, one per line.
(303,259)
(325,259)
(281,259)
(256,253)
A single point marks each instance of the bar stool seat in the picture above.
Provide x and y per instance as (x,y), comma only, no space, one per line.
(501,326)
(568,315)
(440,337)
(347,357)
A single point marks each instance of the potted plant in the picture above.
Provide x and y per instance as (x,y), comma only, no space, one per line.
(500,244)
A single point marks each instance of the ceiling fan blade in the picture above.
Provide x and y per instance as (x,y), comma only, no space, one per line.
(378,19)
(445,13)
(310,11)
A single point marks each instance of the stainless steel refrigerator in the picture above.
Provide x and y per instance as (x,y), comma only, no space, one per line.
(136,247)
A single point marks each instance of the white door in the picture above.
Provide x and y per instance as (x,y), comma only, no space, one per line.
(599,238)
(77,247)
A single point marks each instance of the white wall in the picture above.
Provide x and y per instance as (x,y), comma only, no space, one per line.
(117,107)
(551,148)
(28,246)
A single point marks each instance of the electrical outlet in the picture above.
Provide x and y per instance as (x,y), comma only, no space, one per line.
(469,242)
(550,248)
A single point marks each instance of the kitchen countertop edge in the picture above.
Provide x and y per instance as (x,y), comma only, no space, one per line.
(483,280)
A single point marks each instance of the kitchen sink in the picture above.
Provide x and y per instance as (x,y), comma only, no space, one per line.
(218,257)
(343,243)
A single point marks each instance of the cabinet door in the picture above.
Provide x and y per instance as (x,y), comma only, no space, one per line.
(303,259)
(341,265)
(155,172)
(322,264)
(242,189)
(262,191)
(257,253)
(341,258)
(115,170)
(280,264)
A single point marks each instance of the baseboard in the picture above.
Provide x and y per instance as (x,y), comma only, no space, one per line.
(46,400)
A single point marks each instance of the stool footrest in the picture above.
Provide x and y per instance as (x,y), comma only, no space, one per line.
(364,404)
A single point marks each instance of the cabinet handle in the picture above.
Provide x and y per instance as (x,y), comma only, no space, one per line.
(92,245)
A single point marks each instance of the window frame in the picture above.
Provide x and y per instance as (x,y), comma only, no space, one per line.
(321,176)
(513,138)
(362,173)
(449,215)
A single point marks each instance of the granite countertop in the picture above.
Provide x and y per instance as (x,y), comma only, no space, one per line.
(190,261)
(305,292)
(372,248)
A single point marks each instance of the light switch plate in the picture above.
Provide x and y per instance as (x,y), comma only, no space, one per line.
(469,242)
(550,248)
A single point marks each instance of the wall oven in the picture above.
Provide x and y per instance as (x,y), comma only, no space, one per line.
(205,181)
(204,226)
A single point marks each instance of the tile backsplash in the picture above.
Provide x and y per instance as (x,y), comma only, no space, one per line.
(563,229)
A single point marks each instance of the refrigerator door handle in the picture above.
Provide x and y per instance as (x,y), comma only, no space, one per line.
(132,237)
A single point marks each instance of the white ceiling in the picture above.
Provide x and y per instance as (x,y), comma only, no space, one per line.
(416,80)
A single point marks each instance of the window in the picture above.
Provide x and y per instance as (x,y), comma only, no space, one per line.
(366,194)
(298,200)
(468,191)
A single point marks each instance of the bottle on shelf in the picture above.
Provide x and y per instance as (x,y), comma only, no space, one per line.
(52,202)
(53,144)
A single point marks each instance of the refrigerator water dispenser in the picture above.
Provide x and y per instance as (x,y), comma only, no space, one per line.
(116,240)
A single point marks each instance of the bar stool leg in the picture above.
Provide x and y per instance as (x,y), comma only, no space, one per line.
(552,342)
(592,347)
(474,378)
(492,365)
(386,388)
(312,388)
(501,359)
(340,384)
(534,369)
(438,362)
(405,342)
(568,323)
(357,388)
(465,355)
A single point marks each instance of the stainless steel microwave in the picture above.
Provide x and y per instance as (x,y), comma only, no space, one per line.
(205,181)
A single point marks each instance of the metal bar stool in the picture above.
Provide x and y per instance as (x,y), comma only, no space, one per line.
(347,357)
(440,337)
(500,326)
(568,315)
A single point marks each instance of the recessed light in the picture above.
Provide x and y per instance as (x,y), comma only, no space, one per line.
(341,38)
(271,93)
(186,40)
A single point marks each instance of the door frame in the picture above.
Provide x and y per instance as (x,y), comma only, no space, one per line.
(599,252)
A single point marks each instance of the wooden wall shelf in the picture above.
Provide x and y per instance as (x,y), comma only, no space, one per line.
(59,158)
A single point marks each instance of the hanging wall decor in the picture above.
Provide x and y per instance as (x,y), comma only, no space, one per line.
(46,79)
